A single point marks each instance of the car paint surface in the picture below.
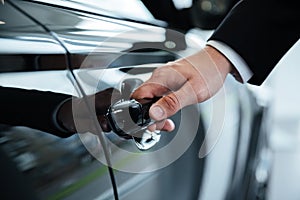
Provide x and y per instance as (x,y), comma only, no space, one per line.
(41,43)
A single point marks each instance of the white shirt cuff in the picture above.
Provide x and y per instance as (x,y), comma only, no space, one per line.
(237,61)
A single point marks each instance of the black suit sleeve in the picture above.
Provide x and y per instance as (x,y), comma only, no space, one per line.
(31,108)
(261,32)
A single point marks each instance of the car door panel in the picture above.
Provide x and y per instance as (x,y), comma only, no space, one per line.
(93,52)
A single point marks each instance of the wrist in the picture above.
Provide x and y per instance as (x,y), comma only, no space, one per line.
(221,62)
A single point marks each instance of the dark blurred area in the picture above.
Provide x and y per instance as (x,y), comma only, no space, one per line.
(204,14)
(31,153)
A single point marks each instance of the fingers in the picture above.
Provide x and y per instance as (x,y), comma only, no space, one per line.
(149,90)
(173,102)
(163,80)
(164,125)
(171,77)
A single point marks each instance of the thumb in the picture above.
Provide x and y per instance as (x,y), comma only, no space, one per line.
(173,102)
(165,107)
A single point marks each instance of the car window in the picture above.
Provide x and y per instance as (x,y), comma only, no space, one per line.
(129,9)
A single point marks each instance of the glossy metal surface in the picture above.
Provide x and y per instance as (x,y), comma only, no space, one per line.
(26,46)
(38,37)
(67,169)
(35,37)
(108,8)
(57,38)
(130,119)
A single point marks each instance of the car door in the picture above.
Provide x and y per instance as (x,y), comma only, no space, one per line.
(52,46)
(56,42)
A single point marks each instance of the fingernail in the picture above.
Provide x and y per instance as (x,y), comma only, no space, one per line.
(157,112)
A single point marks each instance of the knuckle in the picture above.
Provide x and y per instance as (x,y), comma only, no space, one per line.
(158,72)
(202,95)
(201,90)
(162,69)
(172,103)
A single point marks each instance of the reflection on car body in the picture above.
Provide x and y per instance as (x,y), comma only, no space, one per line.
(44,36)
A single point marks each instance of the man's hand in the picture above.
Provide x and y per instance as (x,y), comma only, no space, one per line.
(186,81)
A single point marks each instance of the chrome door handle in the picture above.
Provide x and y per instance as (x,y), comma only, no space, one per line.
(130,119)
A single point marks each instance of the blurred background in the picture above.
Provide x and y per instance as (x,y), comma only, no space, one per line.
(54,168)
